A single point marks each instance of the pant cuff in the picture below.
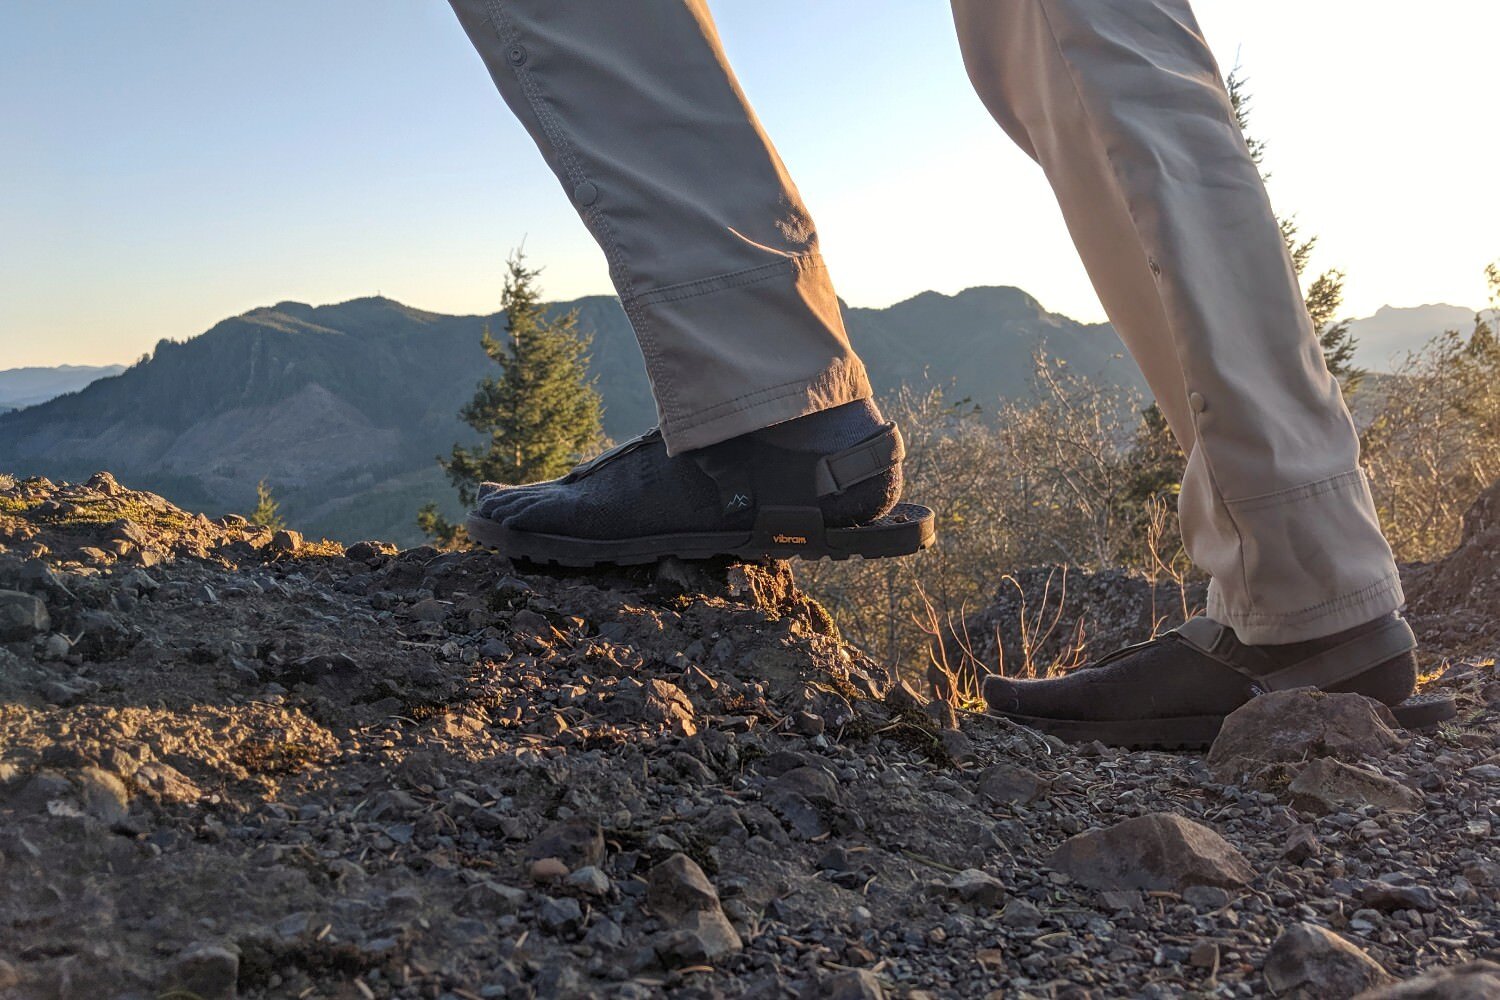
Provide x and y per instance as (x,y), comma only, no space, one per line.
(737,352)
(1343,612)
(1305,562)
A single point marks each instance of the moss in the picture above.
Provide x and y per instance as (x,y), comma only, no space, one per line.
(11,505)
(125,508)
(324,548)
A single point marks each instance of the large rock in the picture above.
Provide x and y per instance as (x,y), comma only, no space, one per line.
(677,887)
(1010,783)
(1307,961)
(576,842)
(1157,851)
(104,795)
(1474,981)
(1326,785)
(1294,725)
(680,894)
(21,616)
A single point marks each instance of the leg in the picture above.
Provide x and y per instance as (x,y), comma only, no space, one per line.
(1123,107)
(769,444)
(709,245)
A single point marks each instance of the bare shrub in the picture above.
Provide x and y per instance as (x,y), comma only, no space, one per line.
(1435,443)
(1045,480)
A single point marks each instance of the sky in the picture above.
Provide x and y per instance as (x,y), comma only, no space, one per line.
(165,164)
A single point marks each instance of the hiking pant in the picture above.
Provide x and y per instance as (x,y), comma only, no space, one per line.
(716,259)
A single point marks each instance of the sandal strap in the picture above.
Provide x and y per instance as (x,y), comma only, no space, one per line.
(872,457)
(1348,659)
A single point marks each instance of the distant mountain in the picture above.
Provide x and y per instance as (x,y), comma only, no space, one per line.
(29,386)
(1386,337)
(343,408)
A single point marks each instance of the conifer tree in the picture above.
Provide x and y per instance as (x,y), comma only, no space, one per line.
(267,512)
(539,416)
(1325,296)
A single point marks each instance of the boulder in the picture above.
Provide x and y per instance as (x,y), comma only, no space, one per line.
(1159,851)
(1325,785)
(576,842)
(1294,725)
(21,616)
(852,984)
(685,900)
(1474,981)
(1308,961)
(1010,783)
(974,886)
(104,795)
(677,887)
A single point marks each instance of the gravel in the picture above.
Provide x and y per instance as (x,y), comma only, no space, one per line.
(279,769)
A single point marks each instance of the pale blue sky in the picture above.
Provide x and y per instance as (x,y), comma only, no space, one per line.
(167,163)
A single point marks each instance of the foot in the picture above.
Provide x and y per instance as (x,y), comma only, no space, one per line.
(1176,689)
(825,484)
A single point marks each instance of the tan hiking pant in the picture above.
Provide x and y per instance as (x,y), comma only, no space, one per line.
(716,259)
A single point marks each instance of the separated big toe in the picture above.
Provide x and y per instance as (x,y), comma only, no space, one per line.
(1001,693)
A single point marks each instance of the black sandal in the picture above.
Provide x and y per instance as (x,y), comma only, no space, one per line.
(772,506)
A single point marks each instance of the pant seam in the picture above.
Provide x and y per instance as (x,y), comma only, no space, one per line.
(573,167)
(1295,494)
(1385,584)
(794,263)
(1172,335)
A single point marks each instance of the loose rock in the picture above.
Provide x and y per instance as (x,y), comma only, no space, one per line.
(1157,851)
(1293,725)
(1326,785)
(1308,961)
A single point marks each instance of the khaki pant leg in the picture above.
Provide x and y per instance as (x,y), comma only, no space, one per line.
(709,245)
(1122,104)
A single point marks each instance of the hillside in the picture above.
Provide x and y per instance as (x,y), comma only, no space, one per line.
(22,387)
(343,408)
(1395,331)
(233,764)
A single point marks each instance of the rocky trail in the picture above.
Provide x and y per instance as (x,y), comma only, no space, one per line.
(236,763)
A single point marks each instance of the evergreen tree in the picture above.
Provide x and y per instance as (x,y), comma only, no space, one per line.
(1325,296)
(539,416)
(267,512)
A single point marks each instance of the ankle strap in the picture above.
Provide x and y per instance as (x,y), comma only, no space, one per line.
(870,458)
(1348,659)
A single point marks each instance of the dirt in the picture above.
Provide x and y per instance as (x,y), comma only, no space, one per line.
(233,762)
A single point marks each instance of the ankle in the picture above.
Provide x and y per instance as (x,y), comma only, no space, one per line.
(829,430)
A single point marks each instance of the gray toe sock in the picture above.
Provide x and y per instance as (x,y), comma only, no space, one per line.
(645,492)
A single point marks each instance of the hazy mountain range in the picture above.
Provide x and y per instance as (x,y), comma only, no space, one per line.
(21,387)
(344,408)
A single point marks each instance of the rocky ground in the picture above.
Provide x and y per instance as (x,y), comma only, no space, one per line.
(236,763)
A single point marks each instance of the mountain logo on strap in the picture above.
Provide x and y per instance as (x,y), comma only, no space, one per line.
(739,502)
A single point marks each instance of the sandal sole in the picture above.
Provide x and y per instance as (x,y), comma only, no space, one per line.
(779,533)
(1197,732)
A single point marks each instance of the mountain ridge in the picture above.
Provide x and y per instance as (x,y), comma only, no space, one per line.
(344,407)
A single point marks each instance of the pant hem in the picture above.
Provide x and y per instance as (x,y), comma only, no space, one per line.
(1334,615)
(840,383)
